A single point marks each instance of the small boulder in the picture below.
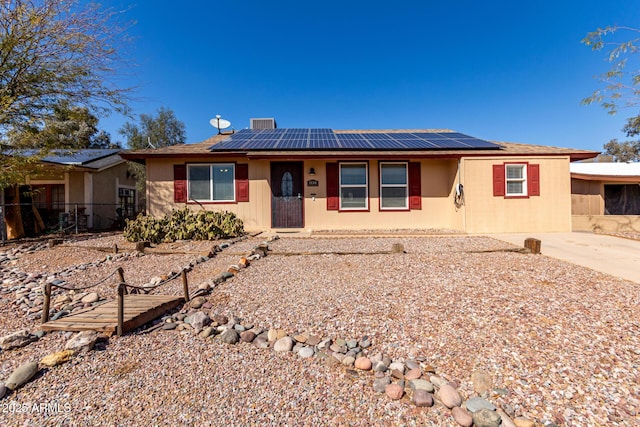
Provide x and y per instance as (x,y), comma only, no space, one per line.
(422,398)
(57,358)
(523,422)
(477,403)
(486,418)
(198,320)
(420,384)
(230,336)
(21,375)
(206,332)
(90,298)
(197,302)
(247,336)
(3,390)
(283,344)
(394,391)
(449,396)
(462,417)
(413,374)
(82,342)
(220,319)
(306,352)
(363,363)
(348,361)
(16,340)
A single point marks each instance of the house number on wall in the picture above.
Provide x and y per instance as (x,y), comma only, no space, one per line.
(312,183)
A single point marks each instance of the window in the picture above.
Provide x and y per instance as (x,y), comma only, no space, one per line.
(353,186)
(213,182)
(516,180)
(394,186)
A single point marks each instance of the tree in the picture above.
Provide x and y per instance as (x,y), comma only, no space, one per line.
(621,84)
(52,53)
(162,130)
(625,151)
(69,127)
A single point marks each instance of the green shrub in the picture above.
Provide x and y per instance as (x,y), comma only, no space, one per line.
(183,224)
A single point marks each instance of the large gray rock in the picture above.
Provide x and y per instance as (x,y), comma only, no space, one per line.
(230,336)
(486,418)
(477,403)
(82,342)
(198,320)
(421,385)
(16,340)
(21,375)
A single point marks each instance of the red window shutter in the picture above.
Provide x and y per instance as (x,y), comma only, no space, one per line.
(533,180)
(180,183)
(242,182)
(333,198)
(498,180)
(415,187)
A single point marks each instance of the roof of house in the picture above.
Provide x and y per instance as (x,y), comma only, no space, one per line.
(620,172)
(92,159)
(218,146)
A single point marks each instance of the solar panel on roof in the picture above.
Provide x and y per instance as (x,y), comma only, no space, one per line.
(327,139)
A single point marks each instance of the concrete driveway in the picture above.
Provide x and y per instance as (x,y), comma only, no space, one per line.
(616,256)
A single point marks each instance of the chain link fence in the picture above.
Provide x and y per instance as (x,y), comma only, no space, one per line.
(30,220)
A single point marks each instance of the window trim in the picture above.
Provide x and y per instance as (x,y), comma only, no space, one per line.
(191,200)
(405,186)
(365,186)
(524,180)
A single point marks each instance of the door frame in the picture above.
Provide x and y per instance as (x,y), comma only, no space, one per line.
(302,211)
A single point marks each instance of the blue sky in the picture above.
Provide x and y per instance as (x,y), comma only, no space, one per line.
(497,70)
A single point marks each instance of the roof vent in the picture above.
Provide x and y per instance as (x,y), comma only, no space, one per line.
(263,123)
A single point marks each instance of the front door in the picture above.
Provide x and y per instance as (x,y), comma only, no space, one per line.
(286,195)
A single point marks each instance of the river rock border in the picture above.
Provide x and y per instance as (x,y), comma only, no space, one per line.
(410,379)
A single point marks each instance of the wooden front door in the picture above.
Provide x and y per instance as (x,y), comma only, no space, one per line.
(286,195)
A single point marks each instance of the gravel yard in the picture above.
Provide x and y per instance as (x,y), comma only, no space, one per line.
(561,342)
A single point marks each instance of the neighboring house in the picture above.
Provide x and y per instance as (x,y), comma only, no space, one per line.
(96,182)
(605,196)
(320,179)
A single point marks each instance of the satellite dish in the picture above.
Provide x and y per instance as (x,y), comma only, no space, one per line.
(219,123)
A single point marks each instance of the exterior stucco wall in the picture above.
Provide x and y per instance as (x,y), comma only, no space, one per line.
(482,212)
(255,213)
(438,211)
(76,189)
(587,197)
(486,213)
(438,178)
(105,193)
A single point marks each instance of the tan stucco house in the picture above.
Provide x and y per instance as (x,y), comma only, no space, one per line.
(90,183)
(605,196)
(320,179)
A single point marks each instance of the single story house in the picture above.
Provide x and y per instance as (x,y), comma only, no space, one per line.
(605,196)
(321,179)
(92,183)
